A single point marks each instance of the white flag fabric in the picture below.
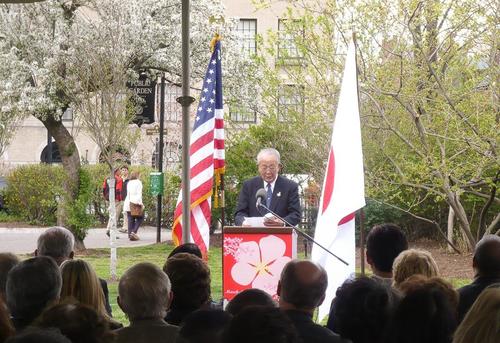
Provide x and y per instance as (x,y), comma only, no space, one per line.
(343,188)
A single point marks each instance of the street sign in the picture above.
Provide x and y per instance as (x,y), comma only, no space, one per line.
(144,88)
(155,131)
(156,183)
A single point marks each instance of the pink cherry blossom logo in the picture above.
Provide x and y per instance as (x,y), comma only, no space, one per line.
(260,265)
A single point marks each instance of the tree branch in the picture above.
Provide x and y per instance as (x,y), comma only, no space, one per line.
(433,222)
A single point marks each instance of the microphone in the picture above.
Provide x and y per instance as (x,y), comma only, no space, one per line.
(260,195)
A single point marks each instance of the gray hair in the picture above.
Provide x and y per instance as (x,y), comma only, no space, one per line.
(268,151)
(144,292)
(56,242)
(303,283)
(31,286)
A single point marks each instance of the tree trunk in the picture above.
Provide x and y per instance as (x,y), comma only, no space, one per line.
(71,163)
(461,215)
(112,227)
(451,222)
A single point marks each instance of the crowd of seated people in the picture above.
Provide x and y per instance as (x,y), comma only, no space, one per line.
(54,298)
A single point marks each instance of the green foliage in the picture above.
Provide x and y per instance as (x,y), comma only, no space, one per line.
(32,190)
(6,217)
(31,196)
(79,218)
(429,100)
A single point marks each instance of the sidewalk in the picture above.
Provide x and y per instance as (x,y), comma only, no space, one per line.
(23,240)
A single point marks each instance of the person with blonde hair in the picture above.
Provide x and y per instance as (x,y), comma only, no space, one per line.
(482,323)
(80,282)
(412,262)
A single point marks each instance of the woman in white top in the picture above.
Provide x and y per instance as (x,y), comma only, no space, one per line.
(134,195)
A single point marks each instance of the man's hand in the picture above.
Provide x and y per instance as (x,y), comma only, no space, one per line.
(273,221)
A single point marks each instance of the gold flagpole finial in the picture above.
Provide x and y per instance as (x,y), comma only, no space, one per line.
(214,41)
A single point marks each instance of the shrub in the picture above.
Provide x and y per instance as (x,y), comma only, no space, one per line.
(32,190)
(79,218)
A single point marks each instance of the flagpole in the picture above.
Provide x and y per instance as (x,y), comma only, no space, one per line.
(222,202)
(362,240)
(361,212)
(185,100)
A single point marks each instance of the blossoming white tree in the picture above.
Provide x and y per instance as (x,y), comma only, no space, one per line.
(42,43)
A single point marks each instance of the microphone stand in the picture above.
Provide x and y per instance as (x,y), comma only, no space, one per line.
(259,203)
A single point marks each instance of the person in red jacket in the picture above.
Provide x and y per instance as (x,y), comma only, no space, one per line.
(118,197)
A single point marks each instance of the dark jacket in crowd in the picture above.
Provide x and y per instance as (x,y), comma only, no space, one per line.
(311,332)
(468,294)
(104,286)
(147,330)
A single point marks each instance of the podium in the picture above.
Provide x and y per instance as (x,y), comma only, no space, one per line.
(253,257)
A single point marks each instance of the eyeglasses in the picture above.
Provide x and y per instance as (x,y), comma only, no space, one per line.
(271,167)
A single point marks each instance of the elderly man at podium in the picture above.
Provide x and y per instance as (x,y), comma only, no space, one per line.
(279,194)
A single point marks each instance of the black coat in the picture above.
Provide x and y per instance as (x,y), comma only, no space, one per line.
(285,201)
(468,294)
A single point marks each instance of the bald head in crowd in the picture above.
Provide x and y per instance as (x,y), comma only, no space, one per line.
(302,286)
(144,292)
(486,260)
(56,242)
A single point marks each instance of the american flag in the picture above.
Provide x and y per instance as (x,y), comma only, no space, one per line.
(206,155)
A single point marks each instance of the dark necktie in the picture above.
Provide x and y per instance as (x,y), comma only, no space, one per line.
(269,195)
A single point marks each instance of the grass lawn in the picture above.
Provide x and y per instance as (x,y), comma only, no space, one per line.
(157,254)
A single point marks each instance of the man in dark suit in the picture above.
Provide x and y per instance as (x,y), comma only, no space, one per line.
(282,195)
(144,295)
(301,289)
(486,263)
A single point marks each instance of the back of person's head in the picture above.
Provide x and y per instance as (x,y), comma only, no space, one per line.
(486,258)
(482,323)
(80,282)
(383,244)
(6,327)
(31,286)
(203,326)
(302,284)
(134,175)
(7,262)
(37,335)
(144,292)
(249,297)
(419,281)
(261,324)
(362,310)
(426,313)
(56,242)
(78,322)
(190,278)
(412,262)
(189,248)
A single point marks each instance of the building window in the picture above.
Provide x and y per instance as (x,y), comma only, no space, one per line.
(290,101)
(289,32)
(242,114)
(247,31)
(173,110)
